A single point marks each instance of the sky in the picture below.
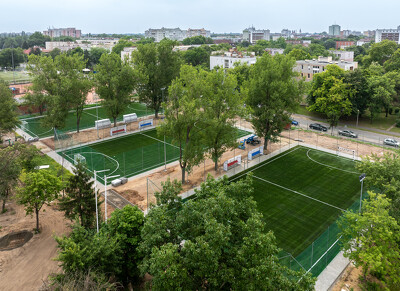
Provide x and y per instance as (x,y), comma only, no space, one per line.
(133,16)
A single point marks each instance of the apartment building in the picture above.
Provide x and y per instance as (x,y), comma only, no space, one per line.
(308,68)
(334,30)
(274,51)
(388,34)
(126,53)
(198,32)
(252,35)
(342,44)
(57,32)
(229,59)
(344,55)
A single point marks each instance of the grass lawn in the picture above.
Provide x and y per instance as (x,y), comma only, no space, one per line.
(8,76)
(331,184)
(129,155)
(35,125)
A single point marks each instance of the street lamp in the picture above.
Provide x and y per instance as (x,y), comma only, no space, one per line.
(358,112)
(105,192)
(362,177)
(95,193)
(165,147)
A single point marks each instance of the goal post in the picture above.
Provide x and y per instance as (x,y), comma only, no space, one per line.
(347,151)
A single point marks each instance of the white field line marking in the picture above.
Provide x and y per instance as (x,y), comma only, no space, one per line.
(97,153)
(100,117)
(270,161)
(312,198)
(328,165)
(159,140)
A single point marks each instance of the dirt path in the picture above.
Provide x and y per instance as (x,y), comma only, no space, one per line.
(26,267)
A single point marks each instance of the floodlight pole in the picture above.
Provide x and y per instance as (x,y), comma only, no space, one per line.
(362,177)
(105,192)
(165,146)
(95,193)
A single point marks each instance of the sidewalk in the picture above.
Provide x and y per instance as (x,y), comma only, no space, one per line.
(344,125)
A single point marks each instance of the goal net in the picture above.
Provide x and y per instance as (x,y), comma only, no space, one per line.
(78,158)
(346,152)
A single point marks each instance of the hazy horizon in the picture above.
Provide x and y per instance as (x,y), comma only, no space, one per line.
(124,16)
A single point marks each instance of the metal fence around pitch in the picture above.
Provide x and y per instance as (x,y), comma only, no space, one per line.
(316,257)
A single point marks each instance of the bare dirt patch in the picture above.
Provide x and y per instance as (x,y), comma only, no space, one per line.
(24,268)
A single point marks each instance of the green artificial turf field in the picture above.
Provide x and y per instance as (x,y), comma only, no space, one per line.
(35,127)
(128,155)
(301,192)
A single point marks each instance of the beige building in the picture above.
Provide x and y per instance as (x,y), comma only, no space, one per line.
(308,68)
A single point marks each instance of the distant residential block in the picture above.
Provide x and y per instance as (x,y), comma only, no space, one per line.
(387,34)
(342,44)
(175,33)
(274,51)
(252,35)
(308,68)
(57,32)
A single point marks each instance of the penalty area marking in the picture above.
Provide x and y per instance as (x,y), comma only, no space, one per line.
(350,172)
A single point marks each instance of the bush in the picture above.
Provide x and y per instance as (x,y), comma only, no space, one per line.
(396,110)
(398,122)
(390,110)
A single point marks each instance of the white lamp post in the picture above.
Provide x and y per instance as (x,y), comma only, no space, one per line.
(105,192)
(362,177)
(95,193)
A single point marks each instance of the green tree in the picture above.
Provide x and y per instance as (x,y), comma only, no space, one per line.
(182,112)
(381,90)
(393,63)
(380,52)
(36,100)
(46,80)
(272,94)
(119,47)
(197,56)
(383,174)
(114,84)
(8,110)
(126,226)
(79,201)
(226,249)
(38,39)
(299,54)
(197,40)
(357,82)
(8,55)
(85,250)
(95,55)
(370,239)
(221,105)
(10,170)
(38,188)
(332,99)
(155,67)
(55,52)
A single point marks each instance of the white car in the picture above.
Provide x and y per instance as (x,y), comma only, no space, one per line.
(391,142)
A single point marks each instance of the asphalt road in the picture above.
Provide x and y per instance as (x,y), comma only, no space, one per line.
(363,135)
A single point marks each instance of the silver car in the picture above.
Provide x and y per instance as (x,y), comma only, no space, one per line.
(391,142)
(348,133)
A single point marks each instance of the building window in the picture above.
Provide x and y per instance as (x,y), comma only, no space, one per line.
(308,76)
(302,67)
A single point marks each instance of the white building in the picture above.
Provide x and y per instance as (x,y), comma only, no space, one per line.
(170,33)
(85,44)
(126,53)
(344,55)
(252,35)
(334,30)
(198,32)
(229,59)
(274,51)
(308,68)
(389,34)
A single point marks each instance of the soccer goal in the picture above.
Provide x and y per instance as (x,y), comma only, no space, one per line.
(79,158)
(346,151)
(24,125)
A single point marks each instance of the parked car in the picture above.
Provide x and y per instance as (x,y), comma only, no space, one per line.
(347,133)
(391,142)
(318,126)
(294,122)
